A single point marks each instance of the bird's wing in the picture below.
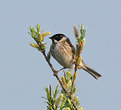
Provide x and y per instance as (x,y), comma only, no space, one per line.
(72,47)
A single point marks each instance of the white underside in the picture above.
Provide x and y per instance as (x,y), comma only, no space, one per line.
(62,57)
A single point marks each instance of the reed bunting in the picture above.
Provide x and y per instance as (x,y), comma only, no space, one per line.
(64,52)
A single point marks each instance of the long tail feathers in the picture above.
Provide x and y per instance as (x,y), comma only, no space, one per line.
(92,72)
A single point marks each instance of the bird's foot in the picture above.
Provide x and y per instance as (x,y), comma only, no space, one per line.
(61,69)
(56,71)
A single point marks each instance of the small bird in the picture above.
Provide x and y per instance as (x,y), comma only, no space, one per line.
(64,52)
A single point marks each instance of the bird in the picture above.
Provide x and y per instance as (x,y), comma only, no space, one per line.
(63,52)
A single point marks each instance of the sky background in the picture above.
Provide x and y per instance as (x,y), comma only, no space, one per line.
(23,70)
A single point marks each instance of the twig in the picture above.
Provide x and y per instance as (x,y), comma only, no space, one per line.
(76,66)
(41,47)
(73,81)
(50,92)
(51,97)
(59,80)
(76,33)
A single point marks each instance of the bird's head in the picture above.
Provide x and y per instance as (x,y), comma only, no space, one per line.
(58,38)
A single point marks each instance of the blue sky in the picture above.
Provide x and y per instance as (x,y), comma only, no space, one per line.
(24,72)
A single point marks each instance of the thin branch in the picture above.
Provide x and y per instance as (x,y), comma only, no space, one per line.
(61,83)
(73,80)
(76,33)
(51,96)
(55,73)
(76,66)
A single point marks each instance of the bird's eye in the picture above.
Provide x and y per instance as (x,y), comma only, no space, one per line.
(58,38)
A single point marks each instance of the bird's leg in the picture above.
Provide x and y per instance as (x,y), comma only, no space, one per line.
(61,69)
(56,71)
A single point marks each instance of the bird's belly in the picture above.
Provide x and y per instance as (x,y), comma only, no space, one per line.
(64,59)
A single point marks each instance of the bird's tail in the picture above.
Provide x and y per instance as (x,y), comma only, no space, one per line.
(92,72)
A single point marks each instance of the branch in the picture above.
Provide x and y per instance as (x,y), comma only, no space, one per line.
(59,80)
(76,33)
(79,47)
(39,38)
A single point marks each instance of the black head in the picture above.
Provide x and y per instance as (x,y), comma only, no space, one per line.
(57,37)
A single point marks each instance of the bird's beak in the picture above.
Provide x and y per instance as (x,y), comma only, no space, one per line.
(50,37)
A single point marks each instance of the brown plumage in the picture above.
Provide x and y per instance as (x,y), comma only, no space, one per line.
(63,51)
(91,71)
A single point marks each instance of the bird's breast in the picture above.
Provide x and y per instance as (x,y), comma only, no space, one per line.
(63,54)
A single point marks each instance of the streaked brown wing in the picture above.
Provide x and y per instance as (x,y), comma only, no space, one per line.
(72,47)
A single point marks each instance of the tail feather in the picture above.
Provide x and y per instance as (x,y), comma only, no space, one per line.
(92,72)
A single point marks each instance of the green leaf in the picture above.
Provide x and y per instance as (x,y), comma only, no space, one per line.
(62,103)
(56,92)
(74,89)
(83,31)
(38,28)
(48,94)
(44,97)
(30,33)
